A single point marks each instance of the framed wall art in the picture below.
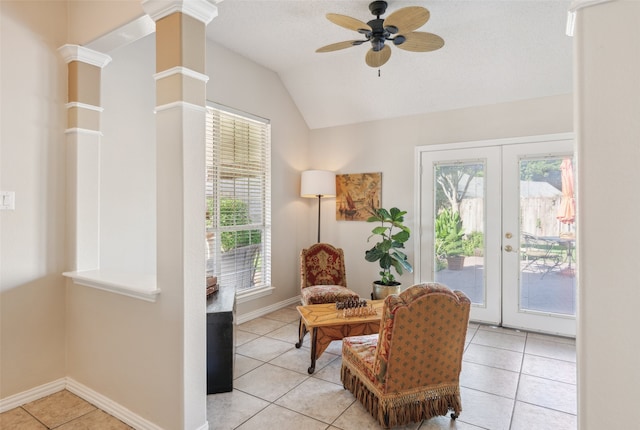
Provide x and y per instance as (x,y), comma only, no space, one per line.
(357,194)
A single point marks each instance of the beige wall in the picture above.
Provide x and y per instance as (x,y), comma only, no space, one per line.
(388,147)
(32,163)
(90,19)
(608,127)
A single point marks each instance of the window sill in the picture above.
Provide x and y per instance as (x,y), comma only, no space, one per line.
(137,286)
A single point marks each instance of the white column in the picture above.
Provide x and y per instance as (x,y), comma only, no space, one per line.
(83,155)
(607,109)
(180,131)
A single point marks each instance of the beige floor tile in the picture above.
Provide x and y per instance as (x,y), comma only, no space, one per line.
(485,410)
(268,382)
(287,333)
(499,340)
(96,420)
(318,399)
(446,423)
(261,325)
(18,418)
(489,379)
(356,417)
(264,348)
(244,364)
(531,417)
(549,368)
(549,394)
(58,408)
(276,417)
(331,372)
(287,315)
(551,349)
(243,337)
(299,360)
(493,357)
(226,411)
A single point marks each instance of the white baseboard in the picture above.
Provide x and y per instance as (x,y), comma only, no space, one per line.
(86,393)
(109,406)
(266,310)
(33,394)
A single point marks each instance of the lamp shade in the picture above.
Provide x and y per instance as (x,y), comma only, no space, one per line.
(317,183)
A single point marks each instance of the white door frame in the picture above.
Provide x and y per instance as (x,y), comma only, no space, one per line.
(422,232)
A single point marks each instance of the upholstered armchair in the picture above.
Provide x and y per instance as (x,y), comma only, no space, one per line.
(410,370)
(323,278)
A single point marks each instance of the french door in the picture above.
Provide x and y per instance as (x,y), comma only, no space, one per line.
(497,221)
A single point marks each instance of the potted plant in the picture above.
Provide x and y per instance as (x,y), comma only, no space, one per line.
(392,234)
(450,241)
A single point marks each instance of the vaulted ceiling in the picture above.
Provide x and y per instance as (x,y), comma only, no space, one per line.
(495,51)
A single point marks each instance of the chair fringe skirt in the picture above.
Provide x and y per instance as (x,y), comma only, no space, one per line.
(399,409)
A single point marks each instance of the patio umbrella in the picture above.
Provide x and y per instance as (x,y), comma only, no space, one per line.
(567,209)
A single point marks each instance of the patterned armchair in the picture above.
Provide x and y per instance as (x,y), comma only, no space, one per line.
(323,278)
(410,370)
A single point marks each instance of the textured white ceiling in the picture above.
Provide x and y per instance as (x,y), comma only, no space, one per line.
(495,51)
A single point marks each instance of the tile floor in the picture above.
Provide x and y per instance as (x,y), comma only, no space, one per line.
(61,411)
(510,380)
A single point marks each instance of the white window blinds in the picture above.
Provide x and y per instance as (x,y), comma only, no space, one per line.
(238,199)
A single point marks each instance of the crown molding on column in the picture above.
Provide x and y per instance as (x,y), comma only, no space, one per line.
(80,53)
(183,71)
(202,10)
(575,6)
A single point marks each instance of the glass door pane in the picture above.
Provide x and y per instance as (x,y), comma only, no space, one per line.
(459,227)
(539,225)
(547,243)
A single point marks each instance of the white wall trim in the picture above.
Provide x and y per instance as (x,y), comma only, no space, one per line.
(142,287)
(109,406)
(574,7)
(493,142)
(36,393)
(77,130)
(84,106)
(266,310)
(80,53)
(202,10)
(180,104)
(181,70)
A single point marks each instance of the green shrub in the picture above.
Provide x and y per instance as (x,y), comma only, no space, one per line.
(234,212)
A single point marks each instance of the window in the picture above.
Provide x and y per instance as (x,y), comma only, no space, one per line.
(238,196)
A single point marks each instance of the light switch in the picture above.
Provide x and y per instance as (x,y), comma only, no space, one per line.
(7,200)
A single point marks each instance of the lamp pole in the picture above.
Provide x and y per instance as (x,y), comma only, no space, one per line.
(319,199)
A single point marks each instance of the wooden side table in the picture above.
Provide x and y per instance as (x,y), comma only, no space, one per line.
(327,324)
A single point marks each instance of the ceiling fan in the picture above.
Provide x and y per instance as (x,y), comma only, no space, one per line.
(397,28)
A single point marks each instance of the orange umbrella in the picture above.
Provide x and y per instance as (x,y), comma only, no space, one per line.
(567,209)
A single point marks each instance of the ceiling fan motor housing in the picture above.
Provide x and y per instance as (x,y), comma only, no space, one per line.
(378,7)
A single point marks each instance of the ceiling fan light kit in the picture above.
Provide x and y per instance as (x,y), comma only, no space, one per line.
(399,28)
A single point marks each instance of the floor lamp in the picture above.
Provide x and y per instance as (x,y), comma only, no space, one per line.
(318,184)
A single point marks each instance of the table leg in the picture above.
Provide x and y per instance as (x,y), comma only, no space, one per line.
(314,337)
(302,330)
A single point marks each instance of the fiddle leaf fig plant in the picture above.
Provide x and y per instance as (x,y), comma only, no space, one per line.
(391,235)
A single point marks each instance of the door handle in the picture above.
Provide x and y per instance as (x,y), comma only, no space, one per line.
(508,248)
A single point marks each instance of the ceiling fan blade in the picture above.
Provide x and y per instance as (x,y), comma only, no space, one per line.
(348,22)
(378,58)
(340,45)
(407,19)
(419,41)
